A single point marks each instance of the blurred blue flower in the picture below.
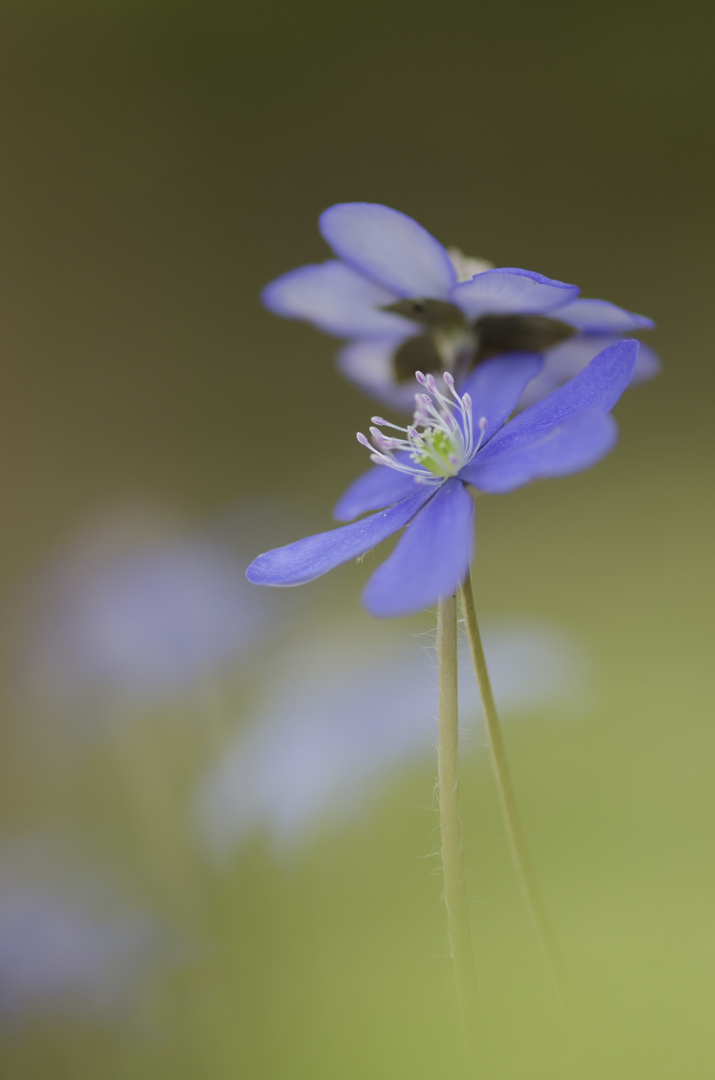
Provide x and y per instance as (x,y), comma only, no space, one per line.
(340,720)
(132,613)
(66,949)
(408,304)
(423,479)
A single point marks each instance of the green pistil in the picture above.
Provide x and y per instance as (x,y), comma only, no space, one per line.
(437,452)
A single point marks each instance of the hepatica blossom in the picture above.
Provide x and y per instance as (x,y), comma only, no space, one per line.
(423,474)
(408,304)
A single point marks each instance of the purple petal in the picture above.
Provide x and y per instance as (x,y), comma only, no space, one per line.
(496,386)
(566,360)
(336,298)
(307,559)
(600,317)
(647,365)
(508,291)
(390,248)
(598,386)
(431,559)
(381,486)
(369,366)
(562,363)
(576,444)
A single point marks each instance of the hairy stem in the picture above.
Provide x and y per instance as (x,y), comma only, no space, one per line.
(515,831)
(455,890)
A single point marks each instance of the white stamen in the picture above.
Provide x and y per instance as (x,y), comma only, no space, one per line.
(386,423)
(446,441)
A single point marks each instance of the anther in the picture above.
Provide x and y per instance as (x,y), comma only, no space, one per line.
(363,440)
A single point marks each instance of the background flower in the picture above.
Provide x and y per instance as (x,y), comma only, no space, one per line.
(409,304)
(134,611)
(343,716)
(69,947)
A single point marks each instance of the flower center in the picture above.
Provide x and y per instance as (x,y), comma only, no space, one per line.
(439,441)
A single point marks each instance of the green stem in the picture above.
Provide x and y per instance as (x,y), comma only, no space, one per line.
(455,890)
(515,831)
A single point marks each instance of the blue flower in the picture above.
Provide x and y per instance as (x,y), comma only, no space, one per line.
(408,304)
(423,478)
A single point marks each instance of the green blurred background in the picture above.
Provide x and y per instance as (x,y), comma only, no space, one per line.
(161,161)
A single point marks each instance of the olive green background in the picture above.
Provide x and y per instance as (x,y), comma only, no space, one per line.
(160,163)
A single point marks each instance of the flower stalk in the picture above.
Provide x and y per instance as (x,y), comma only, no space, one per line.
(515,831)
(455,889)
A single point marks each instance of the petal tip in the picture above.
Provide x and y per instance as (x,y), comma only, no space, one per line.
(256,572)
(276,295)
(379,609)
(341,512)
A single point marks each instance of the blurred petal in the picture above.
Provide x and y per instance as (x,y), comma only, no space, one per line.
(390,248)
(381,486)
(335,298)
(370,366)
(133,611)
(497,384)
(647,365)
(345,713)
(562,363)
(305,560)
(67,947)
(598,387)
(566,360)
(430,560)
(602,317)
(577,443)
(510,291)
